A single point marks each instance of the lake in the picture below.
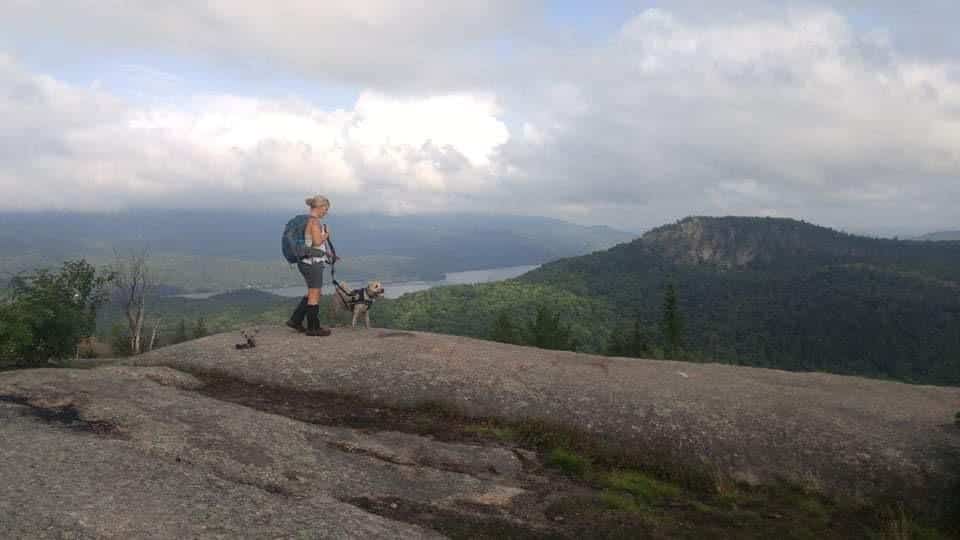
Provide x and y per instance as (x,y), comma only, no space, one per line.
(398,289)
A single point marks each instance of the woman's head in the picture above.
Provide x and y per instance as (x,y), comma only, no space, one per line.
(319,205)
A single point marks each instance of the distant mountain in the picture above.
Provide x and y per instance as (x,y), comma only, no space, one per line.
(940,236)
(218,249)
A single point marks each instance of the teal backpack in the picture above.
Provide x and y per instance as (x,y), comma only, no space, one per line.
(292,244)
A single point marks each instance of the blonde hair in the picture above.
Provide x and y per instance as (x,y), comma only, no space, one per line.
(317,201)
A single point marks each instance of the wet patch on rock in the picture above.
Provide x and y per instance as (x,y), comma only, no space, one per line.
(65,415)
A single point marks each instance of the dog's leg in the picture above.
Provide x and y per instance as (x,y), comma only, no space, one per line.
(356,315)
(366,318)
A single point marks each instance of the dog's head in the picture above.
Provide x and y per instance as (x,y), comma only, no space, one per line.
(375,289)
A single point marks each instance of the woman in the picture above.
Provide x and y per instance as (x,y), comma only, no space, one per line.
(311,268)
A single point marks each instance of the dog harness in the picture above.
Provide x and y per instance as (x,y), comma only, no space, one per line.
(354,297)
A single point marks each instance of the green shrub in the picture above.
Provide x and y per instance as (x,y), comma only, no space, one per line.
(47,313)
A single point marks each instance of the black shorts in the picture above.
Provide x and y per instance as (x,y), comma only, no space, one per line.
(312,274)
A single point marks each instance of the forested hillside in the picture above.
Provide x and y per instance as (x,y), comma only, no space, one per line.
(755,291)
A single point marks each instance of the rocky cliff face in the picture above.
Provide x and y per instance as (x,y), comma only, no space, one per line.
(317,438)
(692,241)
(739,242)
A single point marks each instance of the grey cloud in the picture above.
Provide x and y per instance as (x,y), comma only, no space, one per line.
(673,109)
(374,43)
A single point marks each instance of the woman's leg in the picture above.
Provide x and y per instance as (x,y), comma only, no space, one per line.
(296,319)
(313,314)
(313,275)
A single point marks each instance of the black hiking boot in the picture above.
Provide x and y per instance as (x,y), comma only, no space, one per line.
(313,322)
(296,320)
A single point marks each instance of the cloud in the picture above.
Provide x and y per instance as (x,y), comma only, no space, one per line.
(796,113)
(72,147)
(370,43)
(813,112)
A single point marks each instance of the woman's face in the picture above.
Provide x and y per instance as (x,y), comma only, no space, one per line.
(322,210)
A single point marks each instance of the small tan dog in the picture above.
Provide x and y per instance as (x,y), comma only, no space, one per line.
(356,301)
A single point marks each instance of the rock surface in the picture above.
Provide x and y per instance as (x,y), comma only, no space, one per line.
(845,435)
(140,450)
(168,463)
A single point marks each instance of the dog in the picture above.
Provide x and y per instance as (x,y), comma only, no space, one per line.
(356,301)
(248,336)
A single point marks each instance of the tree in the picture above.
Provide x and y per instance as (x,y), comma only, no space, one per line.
(640,344)
(633,343)
(47,313)
(154,334)
(16,335)
(617,343)
(547,332)
(504,330)
(133,280)
(181,333)
(671,324)
(119,341)
(200,329)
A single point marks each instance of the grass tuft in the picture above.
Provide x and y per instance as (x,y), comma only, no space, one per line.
(569,462)
(645,488)
(622,502)
(493,431)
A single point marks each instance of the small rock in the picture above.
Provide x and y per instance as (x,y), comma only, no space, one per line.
(393,505)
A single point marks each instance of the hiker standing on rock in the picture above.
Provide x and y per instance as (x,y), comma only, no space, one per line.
(304,243)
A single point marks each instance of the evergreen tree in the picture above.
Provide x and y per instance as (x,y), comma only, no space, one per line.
(547,332)
(617,343)
(671,324)
(639,345)
(181,334)
(634,343)
(504,329)
(200,329)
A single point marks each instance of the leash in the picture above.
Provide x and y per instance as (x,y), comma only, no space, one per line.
(333,261)
(350,298)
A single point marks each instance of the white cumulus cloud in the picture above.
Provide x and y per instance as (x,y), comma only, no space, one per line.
(80,148)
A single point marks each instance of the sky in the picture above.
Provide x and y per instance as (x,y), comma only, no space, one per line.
(624,113)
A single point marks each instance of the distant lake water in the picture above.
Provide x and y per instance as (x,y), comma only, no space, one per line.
(398,289)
